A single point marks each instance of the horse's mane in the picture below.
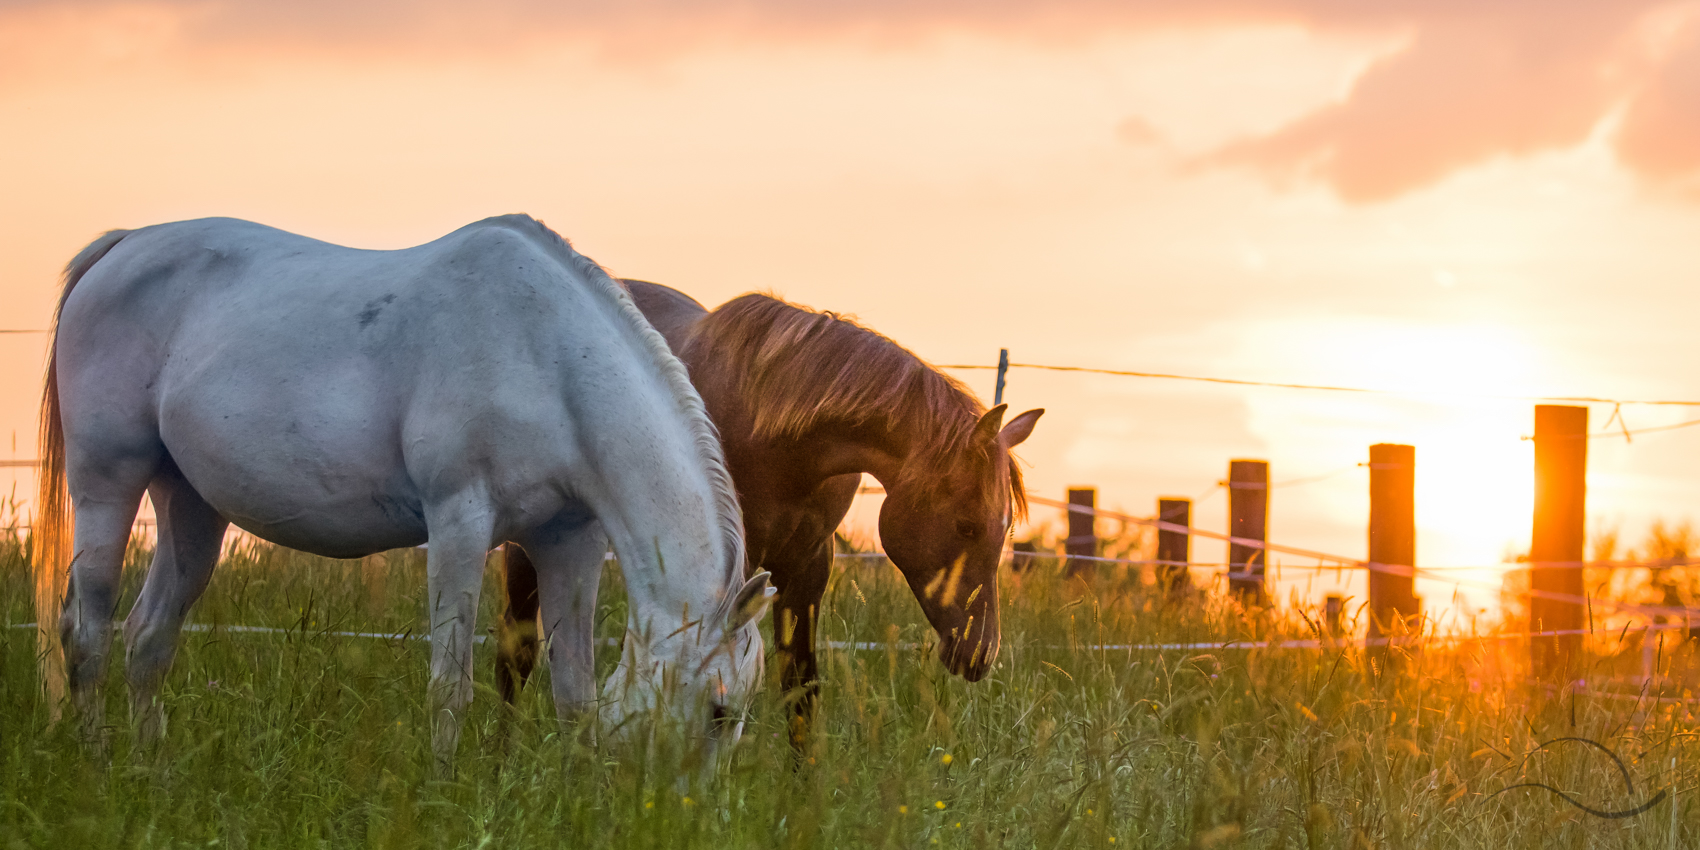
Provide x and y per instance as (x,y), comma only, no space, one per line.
(707,439)
(800,369)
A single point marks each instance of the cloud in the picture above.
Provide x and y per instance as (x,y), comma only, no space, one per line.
(1468,88)
(1477,80)
(1138,132)
(643,25)
(1660,135)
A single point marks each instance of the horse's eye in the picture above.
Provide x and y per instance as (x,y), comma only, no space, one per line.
(967,529)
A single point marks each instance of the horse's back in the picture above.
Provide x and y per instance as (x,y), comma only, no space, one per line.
(221,300)
(670,311)
(350,381)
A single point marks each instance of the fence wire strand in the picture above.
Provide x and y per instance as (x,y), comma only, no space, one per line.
(1331,388)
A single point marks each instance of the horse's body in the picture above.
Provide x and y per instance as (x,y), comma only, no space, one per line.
(805,402)
(490,385)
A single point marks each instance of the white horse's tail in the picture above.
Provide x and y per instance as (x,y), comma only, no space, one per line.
(50,534)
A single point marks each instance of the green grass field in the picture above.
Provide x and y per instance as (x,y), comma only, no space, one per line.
(312,740)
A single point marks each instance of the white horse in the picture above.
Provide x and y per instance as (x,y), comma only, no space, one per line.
(491,385)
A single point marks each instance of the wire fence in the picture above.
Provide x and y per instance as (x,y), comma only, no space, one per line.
(1656,616)
(1324,562)
(1657,619)
(1616,403)
(1649,679)
(1334,562)
(1332,388)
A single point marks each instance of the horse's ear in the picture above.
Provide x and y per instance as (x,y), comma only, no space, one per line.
(751,602)
(1020,428)
(987,428)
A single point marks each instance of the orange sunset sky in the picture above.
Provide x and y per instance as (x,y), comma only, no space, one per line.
(1449,198)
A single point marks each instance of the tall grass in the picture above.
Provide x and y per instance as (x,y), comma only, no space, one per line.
(307,739)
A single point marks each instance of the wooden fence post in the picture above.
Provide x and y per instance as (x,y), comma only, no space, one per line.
(1555,544)
(1392,539)
(1022,555)
(1082,539)
(1174,548)
(1248,517)
(1333,606)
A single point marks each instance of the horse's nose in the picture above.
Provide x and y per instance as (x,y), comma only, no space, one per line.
(970,659)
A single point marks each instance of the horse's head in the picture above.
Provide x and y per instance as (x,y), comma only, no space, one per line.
(945,531)
(700,676)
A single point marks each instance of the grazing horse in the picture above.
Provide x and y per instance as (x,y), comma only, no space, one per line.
(805,403)
(491,385)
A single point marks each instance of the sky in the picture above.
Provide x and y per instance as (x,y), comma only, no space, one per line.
(1467,203)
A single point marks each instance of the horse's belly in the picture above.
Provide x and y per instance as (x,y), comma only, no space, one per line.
(288,473)
(356,519)
(335,530)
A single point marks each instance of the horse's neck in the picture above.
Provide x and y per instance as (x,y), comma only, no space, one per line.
(800,463)
(878,445)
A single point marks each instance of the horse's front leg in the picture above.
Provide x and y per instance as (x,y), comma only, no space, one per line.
(460,532)
(567,558)
(801,563)
(801,585)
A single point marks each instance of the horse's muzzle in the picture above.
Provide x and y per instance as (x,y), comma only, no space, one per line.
(970,659)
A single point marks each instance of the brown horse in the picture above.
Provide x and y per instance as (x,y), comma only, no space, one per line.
(805,402)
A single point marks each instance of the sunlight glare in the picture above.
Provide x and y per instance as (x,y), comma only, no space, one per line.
(1475,489)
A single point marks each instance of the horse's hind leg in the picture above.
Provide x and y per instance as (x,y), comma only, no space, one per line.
(191,535)
(105,497)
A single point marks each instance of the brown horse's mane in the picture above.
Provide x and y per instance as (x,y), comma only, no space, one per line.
(800,369)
